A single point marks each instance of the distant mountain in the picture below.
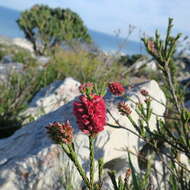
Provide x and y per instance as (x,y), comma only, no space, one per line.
(111,43)
(106,42)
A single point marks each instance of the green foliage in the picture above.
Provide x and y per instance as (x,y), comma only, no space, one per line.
(15,93)
(171,138)
(118,185)
(17,54)
(174,130)
(2,54)
(84,67)
(163,52)
(46,27)
(18,88)
(22,57)
(128,60)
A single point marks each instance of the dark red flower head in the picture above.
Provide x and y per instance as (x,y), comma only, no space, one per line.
(116,88)
(86,88)
(152,47)
(144,92)
(60,132)
(124,108)
(90,114)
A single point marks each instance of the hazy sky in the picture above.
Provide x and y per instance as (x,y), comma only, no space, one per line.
(110,15)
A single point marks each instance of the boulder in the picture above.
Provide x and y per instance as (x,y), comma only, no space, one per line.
(52,97)
(30,160)
(149,64)
(23,43)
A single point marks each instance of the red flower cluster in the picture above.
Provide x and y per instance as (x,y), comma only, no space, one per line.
(151,46)
(116,88)
(124,108)
(144,92)
(90,114)
(86,87)
(61,132)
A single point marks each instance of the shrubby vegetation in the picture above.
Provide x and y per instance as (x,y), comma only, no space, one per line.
(86,66)
(129,60)
(17,88)
(20,87)
(171,134)
(46,27)
(16,54)
(15,94)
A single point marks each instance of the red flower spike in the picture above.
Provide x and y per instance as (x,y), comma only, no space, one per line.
(61,132)
(90,114)
(127,175)
(124,108)
(86,87)
(116,88)
(151,46)
(144,92)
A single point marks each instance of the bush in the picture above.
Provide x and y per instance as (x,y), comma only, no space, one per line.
(15,94)
(128,60)
(46,27)
(85,66)
(166,143)
(17,54)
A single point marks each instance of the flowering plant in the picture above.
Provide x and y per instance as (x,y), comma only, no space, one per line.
(116,88)
(90,112)
(61,132)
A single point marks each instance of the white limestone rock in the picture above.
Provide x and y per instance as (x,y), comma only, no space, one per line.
(23,43)
(147,64)
(30,160)
(52,97)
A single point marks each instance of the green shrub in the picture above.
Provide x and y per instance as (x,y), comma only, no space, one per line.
(84,66)
(47,27)
(17,54)
(166,144)
(15,93)
(128,60)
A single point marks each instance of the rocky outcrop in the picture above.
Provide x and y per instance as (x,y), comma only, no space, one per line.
(51,98)
(149,65)
(23,43)
(30,160)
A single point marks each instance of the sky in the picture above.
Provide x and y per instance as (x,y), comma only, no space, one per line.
(112,16)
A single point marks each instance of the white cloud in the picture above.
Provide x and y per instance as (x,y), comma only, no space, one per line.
(110,15)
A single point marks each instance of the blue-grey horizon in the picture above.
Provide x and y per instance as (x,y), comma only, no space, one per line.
(111,16)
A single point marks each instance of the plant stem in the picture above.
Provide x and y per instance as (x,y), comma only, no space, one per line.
(136,134)
(172,89)
(100,170)
(73,156)
(91,147)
